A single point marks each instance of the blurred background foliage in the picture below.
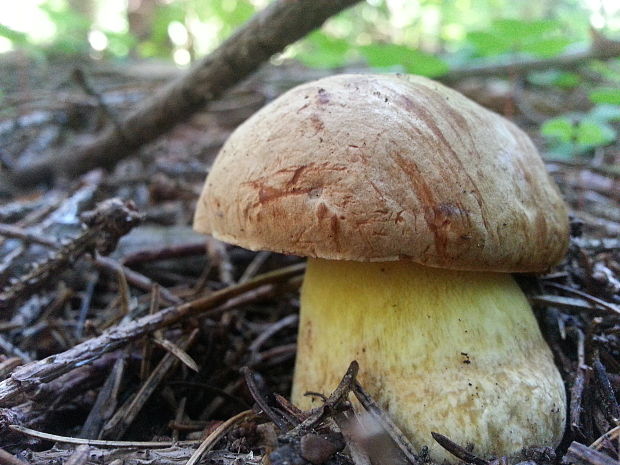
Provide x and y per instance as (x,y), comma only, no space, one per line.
(428,37)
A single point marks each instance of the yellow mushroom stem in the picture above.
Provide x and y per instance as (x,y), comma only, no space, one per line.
(455,352)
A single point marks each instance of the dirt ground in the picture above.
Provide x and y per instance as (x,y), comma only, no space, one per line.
(139,355)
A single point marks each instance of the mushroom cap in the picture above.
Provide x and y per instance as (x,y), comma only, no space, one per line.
(383,168)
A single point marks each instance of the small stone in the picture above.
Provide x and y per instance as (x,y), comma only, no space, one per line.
(317,450)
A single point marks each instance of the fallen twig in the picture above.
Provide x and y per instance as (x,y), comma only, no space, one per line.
(386,422)
(605,392)
(458,451)
(163,253)
(106,401)
(27,378)
(255,346)
(277,419)
(52,398)
(583,455)
(600,49)
(9,230)
(611,435)
(98,442)
(580,381)
(175,454)
(216,435)
(106,224)
(590,298)
(126,414)
(134,278)
(268,32)
(80,78)
(337,397)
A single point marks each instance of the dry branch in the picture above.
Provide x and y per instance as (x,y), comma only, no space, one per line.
(111,220)
(116,427)
(583,455)
(268,32)
(601,49)
(175,455)
(96,442)
(28,378)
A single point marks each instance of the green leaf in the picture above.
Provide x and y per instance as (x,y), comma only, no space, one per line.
(323,51)
(65,19)
(18,38)
(159,28)
(540,38)
(560,129)
(487,43)
(594,134)
(322,59)
(425,64)
(412,61)
(546,47)
(323,41)
(568,80)
(234,12)
(120,43)
(608,95)
(384,55)
(515,29)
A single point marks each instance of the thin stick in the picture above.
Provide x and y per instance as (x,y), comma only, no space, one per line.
(125,416)
(106,402)
(262,402)
(217,434)
(259,259)
(612,434)
(178,418)
(134,278)
(579,383)
(268,32)
(336,398)
(163,253)
(386,422)
(590,298)
(98,442)
(458,451)
(601,49)
(289,320)
(608,403)
(583,455)
(178,352)
(27,378)
(9,230)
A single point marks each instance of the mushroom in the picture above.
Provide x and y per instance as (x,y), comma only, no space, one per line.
(413,205)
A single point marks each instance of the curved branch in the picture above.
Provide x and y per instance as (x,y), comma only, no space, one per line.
(268,32)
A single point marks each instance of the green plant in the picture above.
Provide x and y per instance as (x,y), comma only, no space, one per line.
(321,50)
(540,38)
(578,133)
(403,58)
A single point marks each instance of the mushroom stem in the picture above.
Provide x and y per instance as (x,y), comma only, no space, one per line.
(455,352)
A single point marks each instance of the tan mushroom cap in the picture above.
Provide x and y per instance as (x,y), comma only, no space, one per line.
(382,168)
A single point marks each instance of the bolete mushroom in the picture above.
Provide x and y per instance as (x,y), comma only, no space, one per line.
(413,205)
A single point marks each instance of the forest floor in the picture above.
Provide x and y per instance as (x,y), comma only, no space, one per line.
(139,355)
